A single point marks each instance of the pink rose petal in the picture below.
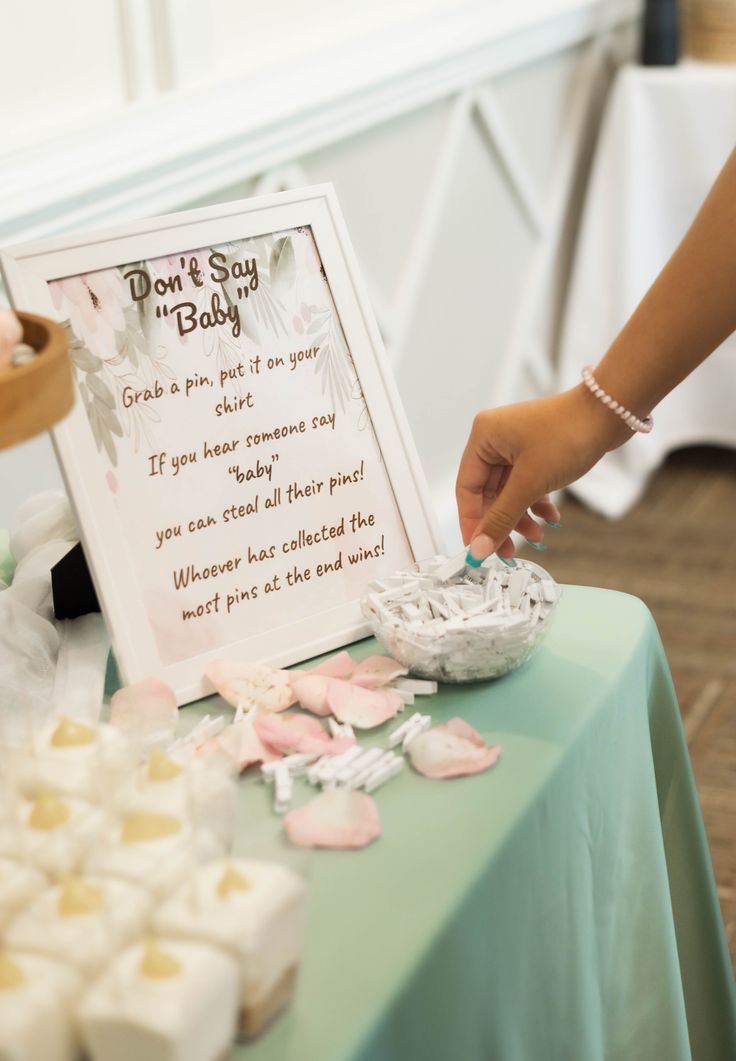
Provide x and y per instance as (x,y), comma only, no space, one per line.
(376,671)
(251,684)
(337,818)
(451,751)
(299,733)
(144,709)
(364,708)
(461,728)
(341,665)
(242,744)
(310,691)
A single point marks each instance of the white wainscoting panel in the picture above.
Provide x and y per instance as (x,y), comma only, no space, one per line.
(381,177)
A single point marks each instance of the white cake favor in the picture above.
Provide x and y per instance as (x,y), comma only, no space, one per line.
(253,909)
(164,1000)
(37,996)
(19,885)
(83,921)
(152,849)
(52,832)
(200,791)
(74,759)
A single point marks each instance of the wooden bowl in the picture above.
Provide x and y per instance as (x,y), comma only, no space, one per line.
(36,395)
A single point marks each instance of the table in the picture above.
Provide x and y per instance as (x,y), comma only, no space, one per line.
(666,133)
(536,911)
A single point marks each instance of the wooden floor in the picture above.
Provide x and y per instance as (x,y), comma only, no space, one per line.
(677,551)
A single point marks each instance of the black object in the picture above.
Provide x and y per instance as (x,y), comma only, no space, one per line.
(71,586)
(661,40)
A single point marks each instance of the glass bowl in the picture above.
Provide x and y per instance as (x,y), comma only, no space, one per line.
(461,648)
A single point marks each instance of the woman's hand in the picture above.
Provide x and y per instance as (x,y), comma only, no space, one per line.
(517,455)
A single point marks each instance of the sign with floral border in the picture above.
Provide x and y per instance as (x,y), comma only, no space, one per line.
(238,457)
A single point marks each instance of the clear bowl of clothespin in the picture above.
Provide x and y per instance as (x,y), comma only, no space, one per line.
(453,623)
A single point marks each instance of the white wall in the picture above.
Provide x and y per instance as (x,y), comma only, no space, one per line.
(457,135)
(59,62)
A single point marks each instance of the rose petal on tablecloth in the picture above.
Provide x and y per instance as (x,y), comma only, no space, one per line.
(341,665)
(240,742)
(299,733)
(337,818)
(377,671)
(242,682)
(144,709)
(461,728)
(451,751)
(364,708)
(310,691)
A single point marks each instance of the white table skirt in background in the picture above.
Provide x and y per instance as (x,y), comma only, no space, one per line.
(666,134)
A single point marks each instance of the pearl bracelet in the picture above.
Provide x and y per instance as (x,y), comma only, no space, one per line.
(632,421)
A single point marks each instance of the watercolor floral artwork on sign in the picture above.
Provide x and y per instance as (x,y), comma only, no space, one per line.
(119,347)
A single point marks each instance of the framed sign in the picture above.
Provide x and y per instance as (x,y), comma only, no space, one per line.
(238,457)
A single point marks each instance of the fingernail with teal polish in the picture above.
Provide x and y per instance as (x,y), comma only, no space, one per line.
(472,561)
(539,546)
(552,524)
(509,563)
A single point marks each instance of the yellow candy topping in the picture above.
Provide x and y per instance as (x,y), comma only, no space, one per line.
(161,768)
(11,975)
(70,734)
(232,881)
(142,827)
(48,812)
(158,964)
(78,897)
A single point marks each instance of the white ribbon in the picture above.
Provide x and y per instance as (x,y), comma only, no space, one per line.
(46,666)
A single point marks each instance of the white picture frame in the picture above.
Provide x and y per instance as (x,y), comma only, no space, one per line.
(29,271)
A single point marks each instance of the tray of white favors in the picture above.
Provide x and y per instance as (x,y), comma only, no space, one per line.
(451,622)
(128,927)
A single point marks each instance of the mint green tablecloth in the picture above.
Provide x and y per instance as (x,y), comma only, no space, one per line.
(558,908)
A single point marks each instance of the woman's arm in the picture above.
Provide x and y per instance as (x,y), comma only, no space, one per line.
(517,454)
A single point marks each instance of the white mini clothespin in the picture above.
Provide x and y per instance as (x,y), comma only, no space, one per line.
(283,788)
(423,723)
(397,735)
(364,770)
(338,729)
(418,686)
(327,769)
(384,773)
(352,769)
(407,698)
(205,730)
